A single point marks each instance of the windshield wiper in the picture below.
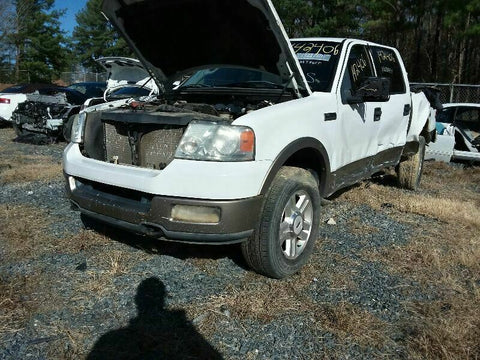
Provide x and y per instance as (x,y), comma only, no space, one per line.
(260,84)
(194,86)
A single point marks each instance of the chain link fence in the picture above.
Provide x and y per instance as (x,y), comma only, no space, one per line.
(453,93)
(7,75)
(75,77)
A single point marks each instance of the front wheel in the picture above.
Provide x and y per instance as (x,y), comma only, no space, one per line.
(409,171)
(288,226)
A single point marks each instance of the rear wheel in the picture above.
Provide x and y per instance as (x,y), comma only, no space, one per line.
(409,171)
(288,227)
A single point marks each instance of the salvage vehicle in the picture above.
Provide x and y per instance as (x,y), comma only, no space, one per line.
(127,81)
(53,115)
(46,112)
(13,95)
(256,132)
(458,134)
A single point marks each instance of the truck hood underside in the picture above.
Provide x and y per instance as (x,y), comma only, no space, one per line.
(171,36)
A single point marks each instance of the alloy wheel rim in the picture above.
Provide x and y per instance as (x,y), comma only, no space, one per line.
(296,224)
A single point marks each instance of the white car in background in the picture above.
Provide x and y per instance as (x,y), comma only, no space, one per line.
(458,133)
(54,115)
(16,94)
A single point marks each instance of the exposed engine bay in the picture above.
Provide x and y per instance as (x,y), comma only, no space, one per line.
(43,114)
(147,134)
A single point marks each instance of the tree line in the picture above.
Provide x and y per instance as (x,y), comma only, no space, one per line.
(439,39)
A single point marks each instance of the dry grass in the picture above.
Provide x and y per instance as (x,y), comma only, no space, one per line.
(457,203)
(20,168)
(264,300)
(447,329)
(67,344)
(23,229)
(17,302)
(348,322)
(25,233)
(450,263)
(443,255)
(357,227)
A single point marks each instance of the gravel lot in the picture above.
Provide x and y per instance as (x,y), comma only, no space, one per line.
(72,293)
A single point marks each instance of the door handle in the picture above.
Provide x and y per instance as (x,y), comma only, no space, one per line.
(377,114)
(406,110)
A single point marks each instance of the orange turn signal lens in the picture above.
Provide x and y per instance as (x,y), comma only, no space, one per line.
(247,141)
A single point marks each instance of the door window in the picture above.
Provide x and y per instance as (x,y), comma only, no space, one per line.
(468,118)
(387,65)
(359,67)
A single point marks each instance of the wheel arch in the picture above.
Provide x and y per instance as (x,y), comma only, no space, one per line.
(307,153)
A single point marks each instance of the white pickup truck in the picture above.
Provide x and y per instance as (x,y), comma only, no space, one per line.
(250,130)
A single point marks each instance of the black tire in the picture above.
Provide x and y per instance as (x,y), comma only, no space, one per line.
(67,129)
(19,130)
(264,251)
(409,171)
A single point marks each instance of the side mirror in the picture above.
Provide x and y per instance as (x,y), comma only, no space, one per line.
(374,89)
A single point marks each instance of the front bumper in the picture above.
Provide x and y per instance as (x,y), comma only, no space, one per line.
(152,215)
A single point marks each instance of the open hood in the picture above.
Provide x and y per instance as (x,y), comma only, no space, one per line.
(126,71)
(172,36)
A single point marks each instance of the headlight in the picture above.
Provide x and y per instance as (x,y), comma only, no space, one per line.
(78,128)
(210,141)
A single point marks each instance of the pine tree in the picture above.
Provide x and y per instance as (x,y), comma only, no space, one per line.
(95,37)
(38,42)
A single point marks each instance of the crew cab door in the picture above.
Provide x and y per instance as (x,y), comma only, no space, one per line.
(357,126)
(395,113)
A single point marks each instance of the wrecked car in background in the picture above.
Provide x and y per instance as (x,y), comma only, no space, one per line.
(458,134)
(12,96)
(127,81)
(46,113)
(53,115)
(243,148)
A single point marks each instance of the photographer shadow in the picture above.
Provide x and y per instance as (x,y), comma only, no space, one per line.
(156,333)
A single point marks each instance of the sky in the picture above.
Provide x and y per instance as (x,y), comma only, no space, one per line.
(73,7)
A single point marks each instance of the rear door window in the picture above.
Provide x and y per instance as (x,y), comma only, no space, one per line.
(388,65)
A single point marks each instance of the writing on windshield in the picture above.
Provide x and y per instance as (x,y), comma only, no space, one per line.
(318,60)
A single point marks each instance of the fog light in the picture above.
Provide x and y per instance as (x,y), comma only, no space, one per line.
(196,214)
(71,182)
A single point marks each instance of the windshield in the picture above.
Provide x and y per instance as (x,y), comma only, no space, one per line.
(129,92)
(89,89)
(232,77)
(318,60)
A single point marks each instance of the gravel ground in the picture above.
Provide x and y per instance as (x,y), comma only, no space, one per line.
(121,296)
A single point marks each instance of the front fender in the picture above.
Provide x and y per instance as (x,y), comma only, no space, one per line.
(320,163)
